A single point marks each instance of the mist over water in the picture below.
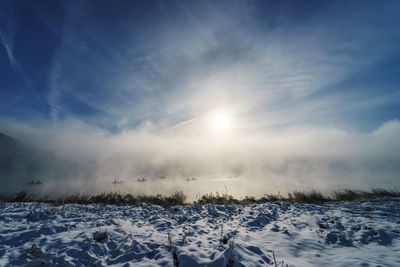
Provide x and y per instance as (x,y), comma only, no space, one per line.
(86,159)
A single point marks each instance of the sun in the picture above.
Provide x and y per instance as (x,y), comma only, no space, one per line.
(220,122)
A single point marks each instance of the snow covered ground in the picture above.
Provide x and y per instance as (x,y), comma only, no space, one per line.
(337,234)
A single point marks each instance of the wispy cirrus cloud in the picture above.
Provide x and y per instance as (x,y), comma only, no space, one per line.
(178,63)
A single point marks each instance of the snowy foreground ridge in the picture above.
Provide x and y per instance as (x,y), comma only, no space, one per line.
(338,234)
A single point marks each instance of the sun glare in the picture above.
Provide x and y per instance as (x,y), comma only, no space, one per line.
(221,122)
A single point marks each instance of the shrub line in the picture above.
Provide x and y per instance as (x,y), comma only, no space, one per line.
(179,198)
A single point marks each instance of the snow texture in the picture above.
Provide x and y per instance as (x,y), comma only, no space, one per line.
(334,234)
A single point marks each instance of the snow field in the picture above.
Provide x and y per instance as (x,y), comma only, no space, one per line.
(334,234)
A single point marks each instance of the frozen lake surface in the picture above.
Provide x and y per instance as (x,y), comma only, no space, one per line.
(337,234)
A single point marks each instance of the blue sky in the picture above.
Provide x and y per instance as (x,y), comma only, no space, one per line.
(120,65)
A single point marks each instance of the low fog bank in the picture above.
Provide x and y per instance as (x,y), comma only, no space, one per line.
(71,157)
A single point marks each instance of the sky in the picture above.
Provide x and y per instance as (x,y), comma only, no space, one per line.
(292,79)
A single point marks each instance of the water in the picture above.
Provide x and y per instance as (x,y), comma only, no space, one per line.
(194,188)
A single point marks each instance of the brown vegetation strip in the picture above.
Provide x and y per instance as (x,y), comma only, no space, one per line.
(179,199)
